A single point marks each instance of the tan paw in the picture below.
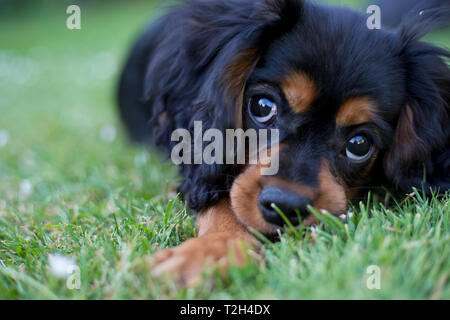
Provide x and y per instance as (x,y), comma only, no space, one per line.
(187,261)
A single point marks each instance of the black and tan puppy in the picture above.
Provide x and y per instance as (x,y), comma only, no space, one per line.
(354,108)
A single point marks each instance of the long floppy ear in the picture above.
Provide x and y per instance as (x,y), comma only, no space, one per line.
(204,55)
(420,154)
(247,28)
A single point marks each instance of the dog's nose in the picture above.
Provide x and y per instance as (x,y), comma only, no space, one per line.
(288,202)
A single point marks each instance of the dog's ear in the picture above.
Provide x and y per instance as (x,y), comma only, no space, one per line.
(420,153)
(204,53)
(228,38)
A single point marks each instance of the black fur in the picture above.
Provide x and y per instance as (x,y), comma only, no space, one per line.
(189,66)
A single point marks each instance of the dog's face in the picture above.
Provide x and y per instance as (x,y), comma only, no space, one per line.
(354,107)
(335,92)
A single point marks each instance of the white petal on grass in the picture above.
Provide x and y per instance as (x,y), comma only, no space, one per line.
(60,265)
(104,65)
(23,69)
(26,188)
(111,206)
(4,136)
(140,159)
(108,133)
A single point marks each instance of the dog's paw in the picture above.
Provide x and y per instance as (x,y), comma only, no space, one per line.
(187,261)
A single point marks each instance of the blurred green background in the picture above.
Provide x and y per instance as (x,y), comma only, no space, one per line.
(57,89)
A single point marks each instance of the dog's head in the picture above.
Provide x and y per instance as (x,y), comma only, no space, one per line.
(354,107)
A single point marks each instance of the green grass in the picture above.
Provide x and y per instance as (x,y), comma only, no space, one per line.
(110,205)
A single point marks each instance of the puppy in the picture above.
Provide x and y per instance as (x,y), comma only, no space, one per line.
(354,108)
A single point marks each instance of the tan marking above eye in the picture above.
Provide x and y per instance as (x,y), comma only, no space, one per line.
(356,111)
(300,91)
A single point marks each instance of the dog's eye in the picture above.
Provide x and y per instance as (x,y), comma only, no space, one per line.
(358,148)
(263,110)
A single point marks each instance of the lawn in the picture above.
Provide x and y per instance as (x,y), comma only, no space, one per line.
(73,189)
